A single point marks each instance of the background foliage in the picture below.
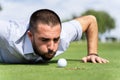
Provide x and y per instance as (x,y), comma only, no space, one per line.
(0,8)
(105,21)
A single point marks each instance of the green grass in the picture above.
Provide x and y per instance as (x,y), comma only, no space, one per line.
(75,70)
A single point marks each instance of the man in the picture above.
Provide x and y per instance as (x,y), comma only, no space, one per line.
(45,37)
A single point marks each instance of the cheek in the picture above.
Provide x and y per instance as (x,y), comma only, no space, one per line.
(56,46)
(42,47)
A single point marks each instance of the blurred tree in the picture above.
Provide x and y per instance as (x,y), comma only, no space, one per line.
(0,8)
(105,21)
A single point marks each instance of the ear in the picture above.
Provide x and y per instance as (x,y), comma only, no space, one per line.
(30,35)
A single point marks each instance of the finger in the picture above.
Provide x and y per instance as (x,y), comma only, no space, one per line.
(105,61)
(99,60)
(93,59)
(88,58)
(84,59)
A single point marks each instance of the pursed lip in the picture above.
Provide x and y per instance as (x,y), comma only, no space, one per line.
(50,54)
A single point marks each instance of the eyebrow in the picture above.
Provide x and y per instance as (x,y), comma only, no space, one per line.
(48,38)
(57,37)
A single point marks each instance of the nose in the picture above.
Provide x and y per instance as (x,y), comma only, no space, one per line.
(51,46)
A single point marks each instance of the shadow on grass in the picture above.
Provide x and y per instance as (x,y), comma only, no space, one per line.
(70,60)
(38,63)
(42,63)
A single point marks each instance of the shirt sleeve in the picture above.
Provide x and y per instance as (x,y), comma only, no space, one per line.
(71,31)
(12,31)
(4,32)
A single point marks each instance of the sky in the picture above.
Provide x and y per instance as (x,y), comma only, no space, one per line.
(22,9)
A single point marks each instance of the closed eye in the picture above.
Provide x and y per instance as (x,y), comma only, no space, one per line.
(56,39)
(45,39)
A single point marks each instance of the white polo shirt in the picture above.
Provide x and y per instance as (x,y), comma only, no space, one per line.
(16,47)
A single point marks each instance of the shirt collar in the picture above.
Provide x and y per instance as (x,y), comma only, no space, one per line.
(28,49)
(28,46)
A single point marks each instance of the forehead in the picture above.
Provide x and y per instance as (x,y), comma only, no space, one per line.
(45,30)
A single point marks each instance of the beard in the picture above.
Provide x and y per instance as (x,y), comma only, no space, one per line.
(45,55)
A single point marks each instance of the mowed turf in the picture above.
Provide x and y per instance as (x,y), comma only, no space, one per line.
(75,70)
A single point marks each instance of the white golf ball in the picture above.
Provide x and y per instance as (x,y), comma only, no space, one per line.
(62,62)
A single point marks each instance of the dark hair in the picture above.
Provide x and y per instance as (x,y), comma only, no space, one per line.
(44,16)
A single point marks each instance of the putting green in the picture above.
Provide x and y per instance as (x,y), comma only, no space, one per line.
(75,70)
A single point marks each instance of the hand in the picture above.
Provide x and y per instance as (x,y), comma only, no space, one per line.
(94,59)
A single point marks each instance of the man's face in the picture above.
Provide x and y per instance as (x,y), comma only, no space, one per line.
(45,40)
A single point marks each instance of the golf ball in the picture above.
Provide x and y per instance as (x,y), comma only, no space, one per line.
(62,62)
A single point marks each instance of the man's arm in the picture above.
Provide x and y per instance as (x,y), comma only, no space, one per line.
(89,26)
